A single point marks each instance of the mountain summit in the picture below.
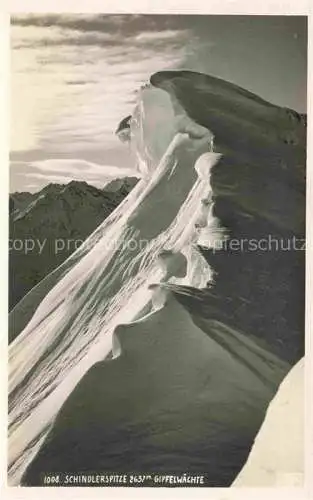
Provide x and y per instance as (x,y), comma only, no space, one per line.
(47,226)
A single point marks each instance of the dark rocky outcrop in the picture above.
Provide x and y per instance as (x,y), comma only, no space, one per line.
(121,186)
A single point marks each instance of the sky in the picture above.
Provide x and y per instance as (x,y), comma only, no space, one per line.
(74,77)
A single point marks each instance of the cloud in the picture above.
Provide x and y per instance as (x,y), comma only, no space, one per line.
(122,24)
(81,92)
(151,36)
(80,167)
(74,77)
(44,179)
(39,173)
(38,36)
(24,37)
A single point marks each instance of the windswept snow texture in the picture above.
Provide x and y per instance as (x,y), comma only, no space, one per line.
(174,400)
(277,455)
(121,368)
(108,285)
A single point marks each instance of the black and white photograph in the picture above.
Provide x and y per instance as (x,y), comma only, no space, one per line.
(157,244)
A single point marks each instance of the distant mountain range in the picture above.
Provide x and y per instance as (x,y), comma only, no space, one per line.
(47,226)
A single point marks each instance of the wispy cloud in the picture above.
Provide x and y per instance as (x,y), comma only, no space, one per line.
(72,166)
(123,24)
(151,36)
(74,77)
(38,36)
(38,173)
(81,92)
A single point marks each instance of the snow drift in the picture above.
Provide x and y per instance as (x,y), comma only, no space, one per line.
(72,327)
(172,400)
(115,365)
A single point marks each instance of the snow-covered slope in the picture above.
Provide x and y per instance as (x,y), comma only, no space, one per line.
(108,285)
(172,399)
(277,456)
(215,378)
